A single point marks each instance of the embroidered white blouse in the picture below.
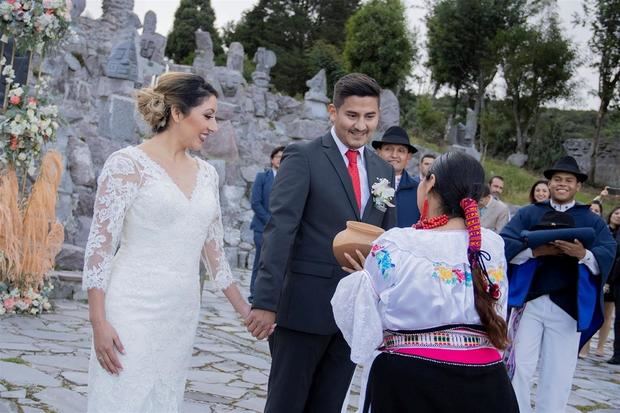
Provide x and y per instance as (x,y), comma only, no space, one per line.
(413,280)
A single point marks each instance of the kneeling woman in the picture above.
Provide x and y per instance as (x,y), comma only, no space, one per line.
(427,310)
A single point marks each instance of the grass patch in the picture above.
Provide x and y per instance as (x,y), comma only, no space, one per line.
(592,408)
(16,360)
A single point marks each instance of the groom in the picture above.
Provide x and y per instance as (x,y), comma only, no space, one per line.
(321,185)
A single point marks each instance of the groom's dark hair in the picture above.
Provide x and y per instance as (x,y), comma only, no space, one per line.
(355,84)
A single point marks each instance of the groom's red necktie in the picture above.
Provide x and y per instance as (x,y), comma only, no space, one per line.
(355,176)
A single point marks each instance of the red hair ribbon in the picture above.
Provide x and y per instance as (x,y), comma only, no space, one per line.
(474,253)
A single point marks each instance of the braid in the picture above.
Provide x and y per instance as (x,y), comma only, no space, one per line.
(486,293)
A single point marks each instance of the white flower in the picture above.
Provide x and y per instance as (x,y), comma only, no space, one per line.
(34,311)
(382,194)
(2,310)
(46,306)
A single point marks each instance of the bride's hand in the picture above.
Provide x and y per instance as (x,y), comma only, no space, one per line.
(245,310)
(355,265)
(106,342)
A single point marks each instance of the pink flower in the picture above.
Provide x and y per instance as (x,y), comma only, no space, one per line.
(27,301)
(9,303)
(10,1)
(32,101)
(13,144)
(15,100)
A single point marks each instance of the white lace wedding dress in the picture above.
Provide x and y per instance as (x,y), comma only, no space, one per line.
(144,249)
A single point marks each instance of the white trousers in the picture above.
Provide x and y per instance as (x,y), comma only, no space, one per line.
(548,332)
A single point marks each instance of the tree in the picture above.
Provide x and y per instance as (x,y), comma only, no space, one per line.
(462,42)
(603,17)
(291,28)
(189,17)
(323,55)
(379,43)
(537,63)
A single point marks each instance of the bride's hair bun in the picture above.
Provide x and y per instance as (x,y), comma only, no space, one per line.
(183,91)
(152,105)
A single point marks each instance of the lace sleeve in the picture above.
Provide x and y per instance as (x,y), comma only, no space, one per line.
(355,307)
(116,187)
(213,255)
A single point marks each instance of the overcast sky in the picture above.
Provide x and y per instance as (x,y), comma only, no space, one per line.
(227,10)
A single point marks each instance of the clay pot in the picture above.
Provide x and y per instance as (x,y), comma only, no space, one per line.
(357,235)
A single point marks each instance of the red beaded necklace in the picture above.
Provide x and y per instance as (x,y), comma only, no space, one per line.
(434,222)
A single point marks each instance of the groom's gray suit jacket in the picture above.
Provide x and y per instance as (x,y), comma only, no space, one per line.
(311,200)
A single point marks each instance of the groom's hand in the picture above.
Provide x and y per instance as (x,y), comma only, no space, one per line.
(260,323)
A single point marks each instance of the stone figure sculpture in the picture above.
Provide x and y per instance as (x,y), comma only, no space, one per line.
(235,57)
(152,44)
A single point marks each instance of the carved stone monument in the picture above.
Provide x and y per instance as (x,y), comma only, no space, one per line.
(203,60)
(265,59)
(123,61)
(235,57)
(462,137)
(152,44)
(315,100)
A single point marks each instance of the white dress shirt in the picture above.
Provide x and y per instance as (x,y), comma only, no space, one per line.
(361,168)
(589,260)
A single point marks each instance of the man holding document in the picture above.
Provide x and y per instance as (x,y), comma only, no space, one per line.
(560,254)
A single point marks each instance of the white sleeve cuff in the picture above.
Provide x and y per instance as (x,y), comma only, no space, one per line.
(522,257)
(590,262)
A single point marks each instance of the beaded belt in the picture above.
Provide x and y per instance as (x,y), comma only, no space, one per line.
(463,338)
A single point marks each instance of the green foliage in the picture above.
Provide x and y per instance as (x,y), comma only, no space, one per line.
(323,55)
(16,360)
(379,43)
(462,39)
(603,17)
(538,63)
(190,16)
(429,121)
(546,146)
(291,29)
(496,124)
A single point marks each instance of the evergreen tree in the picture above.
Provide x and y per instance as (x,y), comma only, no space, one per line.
(379,43)
(189,17)
(291,28)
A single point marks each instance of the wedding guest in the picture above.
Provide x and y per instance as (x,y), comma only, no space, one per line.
(496,183)
(556,290)
(426,161)
(426,311)
(539,191)
(596,207)
(494,214)
(321,184)
(613,287)
(156,214)
(260,205)
(395,149)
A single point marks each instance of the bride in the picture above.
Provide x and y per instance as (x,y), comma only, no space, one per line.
(156,214)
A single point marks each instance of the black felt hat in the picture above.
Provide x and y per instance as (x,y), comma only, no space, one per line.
(555,220)
(566,164)
(396,136)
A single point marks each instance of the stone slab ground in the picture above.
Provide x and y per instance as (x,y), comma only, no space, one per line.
(44,362)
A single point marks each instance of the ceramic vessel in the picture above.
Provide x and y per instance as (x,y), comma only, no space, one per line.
(357,235)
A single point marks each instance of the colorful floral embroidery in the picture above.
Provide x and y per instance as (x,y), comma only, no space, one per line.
(384,261)
(451,276)
(497,275)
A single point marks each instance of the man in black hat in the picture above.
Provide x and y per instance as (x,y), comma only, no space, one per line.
(395,149)
(561,283)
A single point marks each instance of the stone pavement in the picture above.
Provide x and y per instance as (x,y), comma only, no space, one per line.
(44,362)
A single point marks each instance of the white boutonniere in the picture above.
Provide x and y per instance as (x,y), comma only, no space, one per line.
(382,194)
